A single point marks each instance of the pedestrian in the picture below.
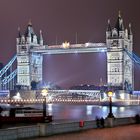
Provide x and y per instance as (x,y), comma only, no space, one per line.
(102,122)
(97,122)
(137,118)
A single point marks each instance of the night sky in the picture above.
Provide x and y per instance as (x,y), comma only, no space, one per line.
(62,19)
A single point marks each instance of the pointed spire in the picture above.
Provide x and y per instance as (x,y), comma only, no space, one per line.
(119,24)
(19,34)
(119,14)
(29,31)
(30,23)
(23,39)
(41,38)
(126,33)
(18,28)
(109,26)
(41,34)
(18,39)
(129,31)
(35,39)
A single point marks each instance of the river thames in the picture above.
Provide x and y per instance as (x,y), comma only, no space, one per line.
(88,112)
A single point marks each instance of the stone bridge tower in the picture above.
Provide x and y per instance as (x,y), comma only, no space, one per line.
(29,63)
(119,64)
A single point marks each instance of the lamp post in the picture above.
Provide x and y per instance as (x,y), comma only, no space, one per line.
(110,94)
(44,93)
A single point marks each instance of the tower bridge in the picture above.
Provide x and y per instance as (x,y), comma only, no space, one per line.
(118,48)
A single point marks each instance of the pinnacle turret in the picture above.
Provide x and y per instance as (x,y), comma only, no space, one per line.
(108,30)
(129,31)
(41,38)
(19,34)
(29,23)
(29,31)
(29,36)
(109,26)
(119,23)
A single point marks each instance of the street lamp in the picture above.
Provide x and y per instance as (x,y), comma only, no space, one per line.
(110,94)
(44,93)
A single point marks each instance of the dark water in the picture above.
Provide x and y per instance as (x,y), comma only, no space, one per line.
(88,112)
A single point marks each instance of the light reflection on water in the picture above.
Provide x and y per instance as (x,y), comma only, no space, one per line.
(50,109)
(89,109)
(88,112)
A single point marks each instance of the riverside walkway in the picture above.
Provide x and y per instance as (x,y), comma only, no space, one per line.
(129,132)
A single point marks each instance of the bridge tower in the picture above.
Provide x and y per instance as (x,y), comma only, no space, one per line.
(120,71)
(29,63)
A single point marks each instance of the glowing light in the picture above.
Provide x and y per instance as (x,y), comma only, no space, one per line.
(17,96)
(122,109)
(102,50)
(122,96)
(110,93)
(49,98)
(44,92)
(66,45)
(50,108)
(89,110)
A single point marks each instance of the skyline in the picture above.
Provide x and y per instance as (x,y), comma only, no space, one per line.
(63,20)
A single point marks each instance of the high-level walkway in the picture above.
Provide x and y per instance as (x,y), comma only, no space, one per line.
(130,132)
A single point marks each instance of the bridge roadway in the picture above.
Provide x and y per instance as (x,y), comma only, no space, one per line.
(131,132)
(56,96)
(40,101)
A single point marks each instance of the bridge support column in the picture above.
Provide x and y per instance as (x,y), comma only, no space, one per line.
(42,130)
(110,122)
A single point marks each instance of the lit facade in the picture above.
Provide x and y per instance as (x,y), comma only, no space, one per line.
(30,50)
(29,64)
(119,64)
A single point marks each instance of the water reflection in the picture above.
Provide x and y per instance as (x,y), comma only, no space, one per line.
(89,109)
(49,108)
(88,112)
(122,109)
